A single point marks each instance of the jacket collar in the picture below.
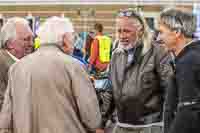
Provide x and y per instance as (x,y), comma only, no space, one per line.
(12,56)
(138,55)
(49,46)
(141,50)
(190,45)
(7,57)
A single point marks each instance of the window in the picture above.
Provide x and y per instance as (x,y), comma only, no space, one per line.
(150,22)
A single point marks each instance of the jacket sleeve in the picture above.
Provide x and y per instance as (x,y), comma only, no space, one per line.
(86,99)
(3,82)
(164,68)
(6,111)
(170,104)
(2,87)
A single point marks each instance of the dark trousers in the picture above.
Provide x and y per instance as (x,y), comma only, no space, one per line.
(187,120)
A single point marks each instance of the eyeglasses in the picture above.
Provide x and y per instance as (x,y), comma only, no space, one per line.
(130,13)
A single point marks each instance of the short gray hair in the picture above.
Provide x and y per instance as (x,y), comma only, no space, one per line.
(8,31)
(179,20)
(52,30)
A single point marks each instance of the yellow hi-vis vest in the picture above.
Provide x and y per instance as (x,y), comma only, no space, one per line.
(104,48)
(37,43)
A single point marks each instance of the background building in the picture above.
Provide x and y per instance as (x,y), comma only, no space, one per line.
(85,13)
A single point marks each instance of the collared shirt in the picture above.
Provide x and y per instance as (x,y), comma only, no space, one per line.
(131,53)
(12,56)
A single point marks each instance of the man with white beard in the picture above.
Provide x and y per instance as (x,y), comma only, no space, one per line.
(139,73)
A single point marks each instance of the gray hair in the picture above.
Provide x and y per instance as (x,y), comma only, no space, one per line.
(8,31)
(140,21)
(147,34)
(53,29)
(180,21)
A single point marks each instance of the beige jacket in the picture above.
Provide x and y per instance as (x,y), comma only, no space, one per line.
(49,92)
(5,62)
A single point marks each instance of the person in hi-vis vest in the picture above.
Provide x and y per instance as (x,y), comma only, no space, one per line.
(100,52)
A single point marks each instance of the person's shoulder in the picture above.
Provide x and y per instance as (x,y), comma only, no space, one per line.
(96,40)
(71,62)
(3,53)
(194,52)
(196,46)
(159,48)
(74,65)
(5,58)
(117,53)
(161,53)
(15,67)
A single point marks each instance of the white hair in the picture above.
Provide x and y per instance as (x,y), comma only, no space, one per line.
(8,31)
(53,29)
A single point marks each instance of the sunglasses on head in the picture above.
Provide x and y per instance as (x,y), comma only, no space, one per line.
(130,13)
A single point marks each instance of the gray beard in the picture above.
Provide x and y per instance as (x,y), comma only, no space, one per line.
(126,47)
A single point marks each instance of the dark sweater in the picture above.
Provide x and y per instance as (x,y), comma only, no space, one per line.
(185,86)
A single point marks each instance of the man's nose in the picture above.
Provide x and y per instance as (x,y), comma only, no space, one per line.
(158,38)
(30,42)
(122,35)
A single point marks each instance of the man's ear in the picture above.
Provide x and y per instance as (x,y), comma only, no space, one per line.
(9,45)
(177,33)
(64,40)
(65,46)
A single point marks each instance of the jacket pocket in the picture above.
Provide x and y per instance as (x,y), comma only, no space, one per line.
(148,79)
